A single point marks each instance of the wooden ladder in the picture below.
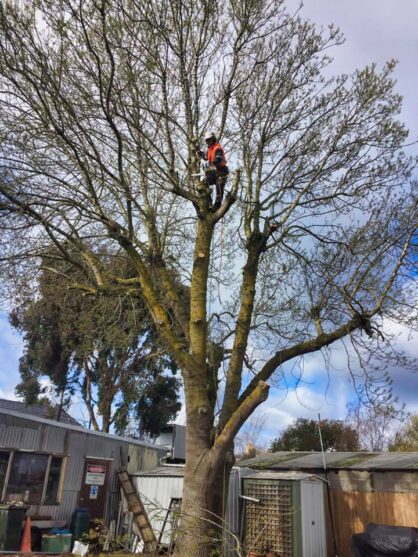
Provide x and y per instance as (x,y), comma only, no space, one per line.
(136,506)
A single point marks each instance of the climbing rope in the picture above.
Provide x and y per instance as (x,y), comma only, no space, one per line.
(220,262)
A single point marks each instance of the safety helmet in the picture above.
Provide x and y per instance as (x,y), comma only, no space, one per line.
(210,135)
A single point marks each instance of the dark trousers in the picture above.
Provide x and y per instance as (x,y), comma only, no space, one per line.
(221,178)
(218,179)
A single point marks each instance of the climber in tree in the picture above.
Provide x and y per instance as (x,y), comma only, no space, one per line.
(217,172)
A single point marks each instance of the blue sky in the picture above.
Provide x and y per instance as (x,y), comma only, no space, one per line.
(375,31)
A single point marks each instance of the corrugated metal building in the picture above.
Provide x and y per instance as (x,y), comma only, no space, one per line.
(363,488)
(158,487)
(55,467)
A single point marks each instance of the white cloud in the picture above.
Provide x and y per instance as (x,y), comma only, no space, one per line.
(406,339)
(304,402)
(9,395)
(375,31)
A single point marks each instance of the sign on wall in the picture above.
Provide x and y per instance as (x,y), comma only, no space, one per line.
(94,490)
(95,474)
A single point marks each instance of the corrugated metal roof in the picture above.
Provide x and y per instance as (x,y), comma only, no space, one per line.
(172,470)
(398,461)
(40,410)
(164,471)
(29,418)
(293,460)
(292,475)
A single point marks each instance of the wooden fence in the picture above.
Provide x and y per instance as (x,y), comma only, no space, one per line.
(353,510)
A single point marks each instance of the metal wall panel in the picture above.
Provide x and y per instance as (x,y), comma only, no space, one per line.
(52,440)
(63,511)
(14,434)
(173,438)
(179,442)
(143,458)
(156,494)
(157,491)
(232,526)
(313,519)
(75,444)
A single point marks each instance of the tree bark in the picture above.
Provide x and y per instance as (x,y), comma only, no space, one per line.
(205,492)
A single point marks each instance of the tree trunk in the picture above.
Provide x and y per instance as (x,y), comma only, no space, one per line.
(204,497)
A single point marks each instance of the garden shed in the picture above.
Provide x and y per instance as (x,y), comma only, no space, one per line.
(363,488)
(54,467)
(284,512)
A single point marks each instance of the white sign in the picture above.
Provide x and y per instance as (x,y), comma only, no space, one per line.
(94,490)
(96,474)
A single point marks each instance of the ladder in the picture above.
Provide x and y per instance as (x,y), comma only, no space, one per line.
(136,506)
(174,510)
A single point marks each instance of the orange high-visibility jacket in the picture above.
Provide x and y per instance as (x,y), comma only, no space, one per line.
(212,153)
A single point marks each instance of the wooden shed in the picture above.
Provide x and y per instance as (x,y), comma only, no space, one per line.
(363,488)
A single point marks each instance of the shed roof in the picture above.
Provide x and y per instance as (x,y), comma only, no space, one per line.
(169,471)
(77,428)
(292,475)
(293,460)
(40,410)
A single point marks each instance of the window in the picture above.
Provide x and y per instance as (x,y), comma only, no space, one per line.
(34,478)
(51,494)
(27,477)
(4,461)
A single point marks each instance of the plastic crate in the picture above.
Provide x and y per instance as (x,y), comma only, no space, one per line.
(56,543)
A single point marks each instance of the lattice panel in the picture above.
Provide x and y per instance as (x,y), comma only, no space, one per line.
(269,524)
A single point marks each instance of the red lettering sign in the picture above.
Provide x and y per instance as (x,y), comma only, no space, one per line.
(96,469)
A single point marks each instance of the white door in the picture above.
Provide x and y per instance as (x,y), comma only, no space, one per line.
(313,519)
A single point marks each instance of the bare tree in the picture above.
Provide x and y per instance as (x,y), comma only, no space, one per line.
(377,425)
(101,106)
(250,438)
(406,439)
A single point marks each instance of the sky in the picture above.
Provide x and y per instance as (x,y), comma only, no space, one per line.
(375,31)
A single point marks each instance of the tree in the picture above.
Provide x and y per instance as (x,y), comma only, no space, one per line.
(303,435)
(406,440)
(102,106)
(376,424)
(250,439)
(103,348)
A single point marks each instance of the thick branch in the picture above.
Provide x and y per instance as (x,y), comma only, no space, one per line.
(300,349)
(198,292)
(258,395)
(248,291)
